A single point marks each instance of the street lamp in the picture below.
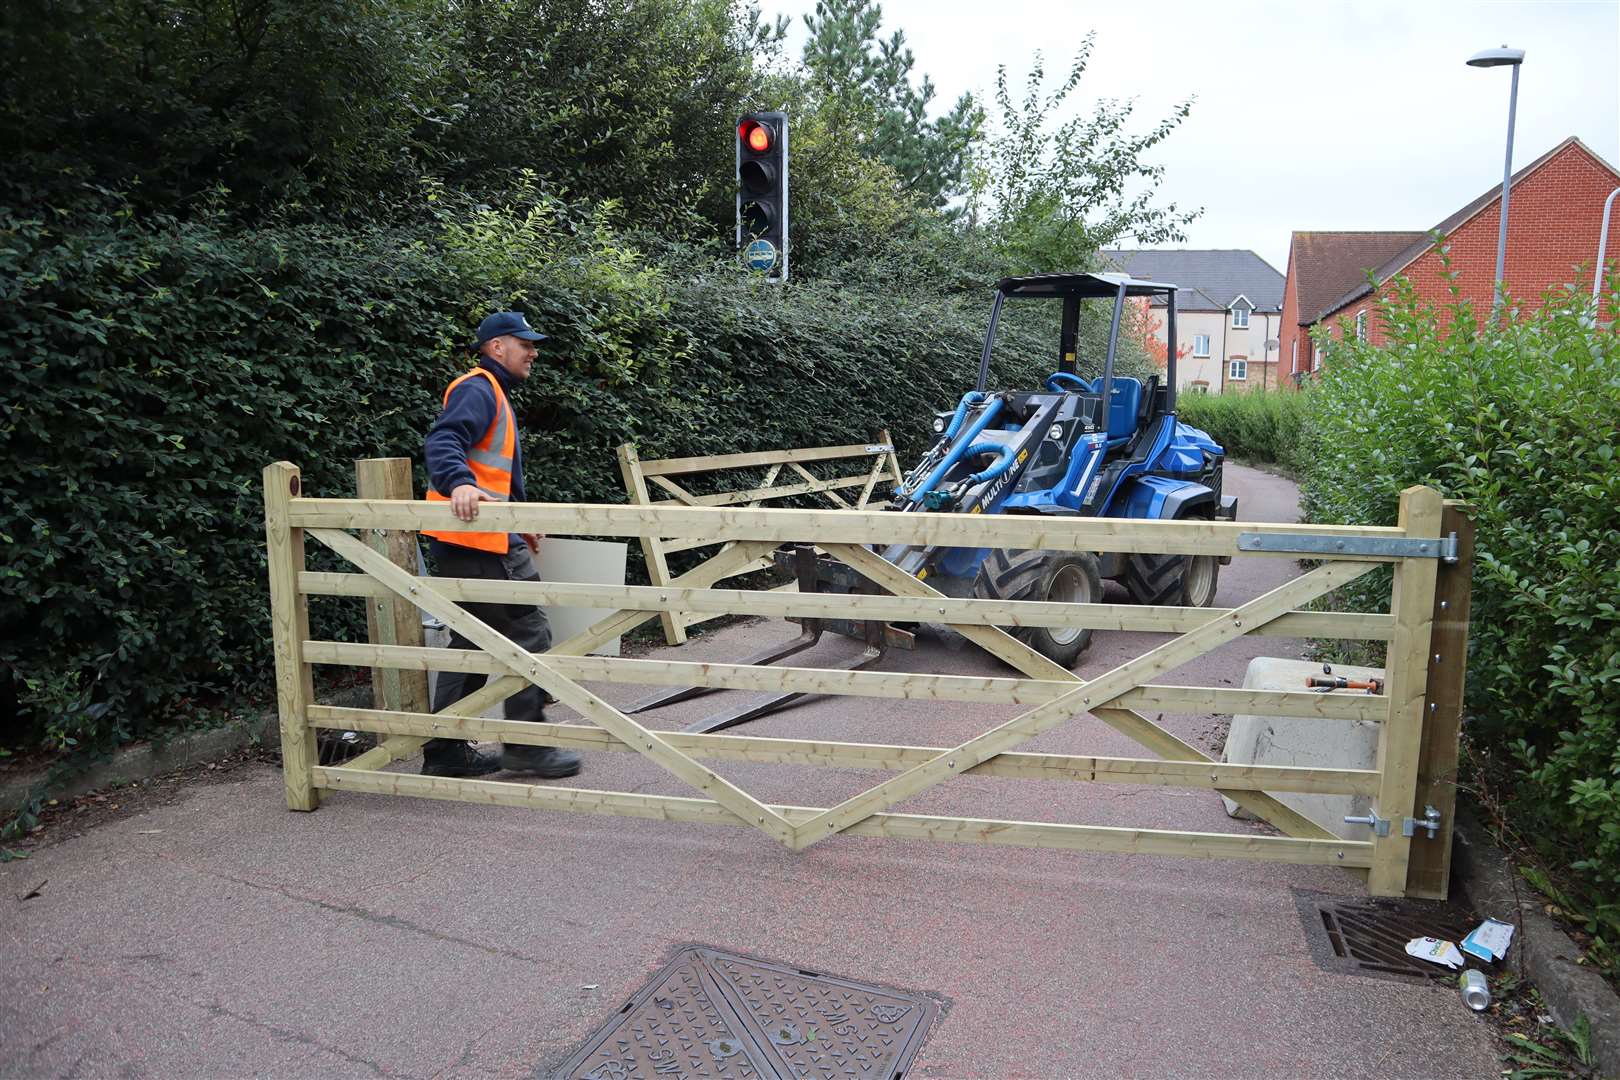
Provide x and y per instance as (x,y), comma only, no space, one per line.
(1496,58)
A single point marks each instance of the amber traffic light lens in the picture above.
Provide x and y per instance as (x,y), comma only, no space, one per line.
(757,176)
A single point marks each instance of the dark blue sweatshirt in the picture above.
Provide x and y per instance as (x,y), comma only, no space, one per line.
(467,415)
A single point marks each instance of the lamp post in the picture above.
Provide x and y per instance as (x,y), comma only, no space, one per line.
(1497,58)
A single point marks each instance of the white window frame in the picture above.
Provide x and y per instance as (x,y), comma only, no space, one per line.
(1240,318)
(1196,339)
(1237,369)
(1198,386)
(1293,356)
(1316,356)
(1361,325)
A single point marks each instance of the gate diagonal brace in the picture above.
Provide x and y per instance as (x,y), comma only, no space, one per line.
(1087,696)
(534,668)
(1125,721)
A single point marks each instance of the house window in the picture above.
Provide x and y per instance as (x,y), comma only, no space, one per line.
(1316,356)
(1200,344)
(1238,368)
(1293,356)
(1198,386)
(1240,318)
(1361,325)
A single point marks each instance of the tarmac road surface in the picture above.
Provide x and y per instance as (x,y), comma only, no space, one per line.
(222,936)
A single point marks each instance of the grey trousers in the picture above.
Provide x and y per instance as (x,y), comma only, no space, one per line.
(525,624)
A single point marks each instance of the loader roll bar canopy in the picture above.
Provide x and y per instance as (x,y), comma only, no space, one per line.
(1072,288)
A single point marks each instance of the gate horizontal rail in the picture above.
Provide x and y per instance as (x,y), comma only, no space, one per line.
(1414,733)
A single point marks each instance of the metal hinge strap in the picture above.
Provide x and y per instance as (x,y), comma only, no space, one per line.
(1443,548)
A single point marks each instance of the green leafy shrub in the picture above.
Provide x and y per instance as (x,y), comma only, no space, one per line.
(156,366)
(1517,420)
(1263,425)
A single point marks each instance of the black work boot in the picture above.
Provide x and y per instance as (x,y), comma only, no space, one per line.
(456,757)
(546,762)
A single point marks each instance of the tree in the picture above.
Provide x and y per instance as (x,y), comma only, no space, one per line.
(868,81)
(1050,201)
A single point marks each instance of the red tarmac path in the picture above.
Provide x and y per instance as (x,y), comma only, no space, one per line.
(221,936)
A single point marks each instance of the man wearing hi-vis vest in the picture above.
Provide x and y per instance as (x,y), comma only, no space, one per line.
(474,455)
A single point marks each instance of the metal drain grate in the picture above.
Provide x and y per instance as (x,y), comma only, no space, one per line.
(1368,937)
(714,1014)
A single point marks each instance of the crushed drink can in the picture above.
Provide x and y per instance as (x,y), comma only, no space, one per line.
(1476,992)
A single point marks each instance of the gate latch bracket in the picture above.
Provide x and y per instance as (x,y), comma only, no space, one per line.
(1442,548)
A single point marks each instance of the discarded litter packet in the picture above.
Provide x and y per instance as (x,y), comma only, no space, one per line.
(1435,951)
(1489,940)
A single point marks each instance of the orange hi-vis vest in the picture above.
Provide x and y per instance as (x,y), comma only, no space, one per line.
(491,462)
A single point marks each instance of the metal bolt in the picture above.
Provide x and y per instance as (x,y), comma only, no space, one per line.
(1340,545)
(951,763)
(942,611)
(413,590)
(1444,604)
(1237,623)
(1437,658)
(1338,855)
(662,597)
(1085,701)
(1433,707)
(1423,548)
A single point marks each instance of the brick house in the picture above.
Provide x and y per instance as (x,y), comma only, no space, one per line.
(1554,217)
(1228,313)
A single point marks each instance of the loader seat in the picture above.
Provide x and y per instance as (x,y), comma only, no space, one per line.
(1123,410)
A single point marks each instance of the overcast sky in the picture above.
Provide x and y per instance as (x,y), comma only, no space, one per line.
(1309,115)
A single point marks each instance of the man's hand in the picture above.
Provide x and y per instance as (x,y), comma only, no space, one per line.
(464,501)
(533,540)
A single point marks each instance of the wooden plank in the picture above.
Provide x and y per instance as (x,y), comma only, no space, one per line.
(1013,764)
(824,487)
(1428,867)
(751,496)
(635,486)
(905,686)
(872,478)
(682,496)
(716,462)
(1123,720)
(537,669)
(289,626)
(786,603)
(778,525)
(1400,739)
(897,826)
(388,620)
(1096,694)
(893,459)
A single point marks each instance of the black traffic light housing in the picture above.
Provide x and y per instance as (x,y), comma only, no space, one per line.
(762,192)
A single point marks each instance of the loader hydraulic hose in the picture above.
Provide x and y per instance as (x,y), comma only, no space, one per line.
(980,422)
(1002,463)
(972,397)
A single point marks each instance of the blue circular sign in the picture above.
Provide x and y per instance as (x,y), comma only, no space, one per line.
(760,255)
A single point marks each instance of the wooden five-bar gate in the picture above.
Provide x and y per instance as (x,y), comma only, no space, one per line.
(1407,849)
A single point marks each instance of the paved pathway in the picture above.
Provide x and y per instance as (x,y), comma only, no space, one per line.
(222,936)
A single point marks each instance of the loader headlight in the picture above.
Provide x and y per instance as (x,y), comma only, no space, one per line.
(939,424)
(1055,433)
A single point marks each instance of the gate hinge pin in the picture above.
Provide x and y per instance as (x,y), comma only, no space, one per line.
(1430,821)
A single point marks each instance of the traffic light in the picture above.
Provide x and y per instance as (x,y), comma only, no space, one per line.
(762,192)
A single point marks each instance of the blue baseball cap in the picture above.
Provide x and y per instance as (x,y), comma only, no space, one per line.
(504,323)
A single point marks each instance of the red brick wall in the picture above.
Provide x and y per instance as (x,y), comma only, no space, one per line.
(1554,216)
(1291,331)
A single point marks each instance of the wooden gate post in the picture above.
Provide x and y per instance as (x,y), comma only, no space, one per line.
(652,547)
(389,621)
(1428,871)
(1406,672)
(289,629)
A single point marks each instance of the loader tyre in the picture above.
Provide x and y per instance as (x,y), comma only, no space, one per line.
(1172,580)
(1068,577)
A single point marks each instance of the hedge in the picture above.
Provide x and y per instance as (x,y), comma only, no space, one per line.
(1517,420)
(156,366)
(1262,425)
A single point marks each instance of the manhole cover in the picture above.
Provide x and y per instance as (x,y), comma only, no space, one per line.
(1368,937)
(716,1014)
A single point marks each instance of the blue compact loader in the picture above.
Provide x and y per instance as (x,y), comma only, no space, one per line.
(1053,450)
(1060,450)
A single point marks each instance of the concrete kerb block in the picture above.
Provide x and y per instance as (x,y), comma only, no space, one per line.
(1305,742)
